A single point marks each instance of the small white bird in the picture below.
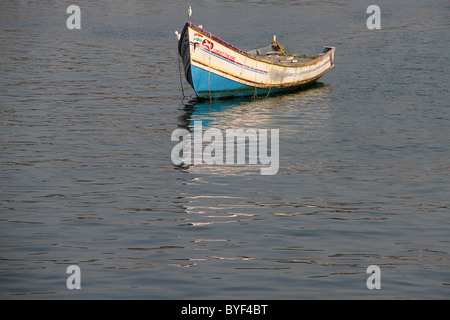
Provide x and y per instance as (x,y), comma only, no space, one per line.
(189,13)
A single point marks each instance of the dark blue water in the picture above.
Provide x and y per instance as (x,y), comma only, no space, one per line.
(87,177)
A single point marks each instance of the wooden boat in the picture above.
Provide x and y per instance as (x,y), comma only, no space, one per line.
(216,69)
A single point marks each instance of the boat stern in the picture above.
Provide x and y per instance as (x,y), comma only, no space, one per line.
(330,51)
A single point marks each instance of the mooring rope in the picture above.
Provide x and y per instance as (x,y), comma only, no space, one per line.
(209,69)
(255,95)
(181,80)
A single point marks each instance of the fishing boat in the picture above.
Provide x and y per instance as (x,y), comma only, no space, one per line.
(216,69)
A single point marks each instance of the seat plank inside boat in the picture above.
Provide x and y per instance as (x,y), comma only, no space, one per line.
(262,51)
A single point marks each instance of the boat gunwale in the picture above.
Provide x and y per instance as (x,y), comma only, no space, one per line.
(249,55)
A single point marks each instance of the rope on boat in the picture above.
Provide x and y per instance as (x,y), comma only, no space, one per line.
(271,68)
(209,70)
(255,95)
(278,46)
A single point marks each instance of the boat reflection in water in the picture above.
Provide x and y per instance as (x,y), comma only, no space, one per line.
(224,193)
(278,112)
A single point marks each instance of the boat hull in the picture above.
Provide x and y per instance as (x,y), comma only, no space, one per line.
(216,69)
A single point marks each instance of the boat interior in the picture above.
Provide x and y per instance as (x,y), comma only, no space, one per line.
(276,53)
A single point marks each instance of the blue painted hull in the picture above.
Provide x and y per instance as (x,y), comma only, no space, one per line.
(208,85)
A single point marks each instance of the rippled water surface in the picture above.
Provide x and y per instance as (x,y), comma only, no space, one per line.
(87,177)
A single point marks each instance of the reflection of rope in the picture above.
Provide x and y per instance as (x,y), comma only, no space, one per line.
(181,80)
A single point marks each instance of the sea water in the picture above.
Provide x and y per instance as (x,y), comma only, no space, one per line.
(87,178)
